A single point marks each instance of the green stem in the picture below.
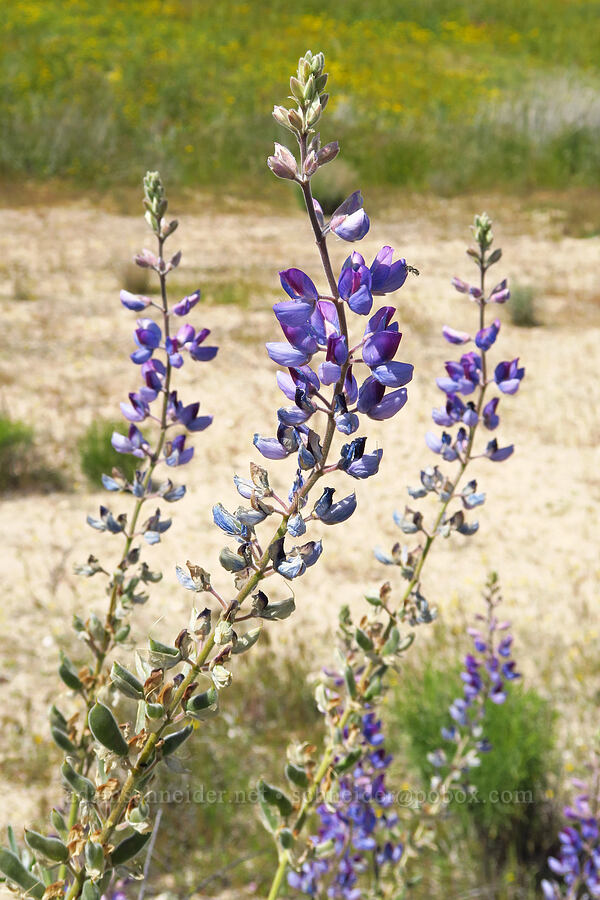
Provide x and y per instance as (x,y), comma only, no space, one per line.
(279,875)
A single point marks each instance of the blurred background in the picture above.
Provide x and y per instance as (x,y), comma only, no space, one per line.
(442,109)
(439,95)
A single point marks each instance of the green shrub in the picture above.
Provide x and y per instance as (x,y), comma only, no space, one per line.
(16,452)
(97,456)
(511,816)
(522,306)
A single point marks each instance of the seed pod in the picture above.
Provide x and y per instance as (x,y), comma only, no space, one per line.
(155,710)
(57,720)
(374,688)
(245,641)
(62,740)
(275,797)
(12,867)
(94,859)
(202,701)
(391,645)
(59,824)
(122,634)
(52,848)
(174,741)
(297,775)
(363,640)
(350,681)
(67,672)
(81,785)
(90,891)
(129,848)
(104,728)
(286,838)
(162,656)
(126,682)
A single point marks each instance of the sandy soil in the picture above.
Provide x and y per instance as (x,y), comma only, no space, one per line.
(64,361)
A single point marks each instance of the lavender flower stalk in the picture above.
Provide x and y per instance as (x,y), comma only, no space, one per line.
(471,376)
(577,865)
(488,672)
(92,740)
(369,653)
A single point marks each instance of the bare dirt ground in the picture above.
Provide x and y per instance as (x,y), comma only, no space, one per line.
(64,360)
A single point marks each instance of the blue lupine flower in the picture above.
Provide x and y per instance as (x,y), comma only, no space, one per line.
(350,222)
(134,301)
(387,276)
(487,336)
(508,376)
(184,306)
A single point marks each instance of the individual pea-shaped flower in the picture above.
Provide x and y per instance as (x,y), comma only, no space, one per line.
(304,296)
(508,376)
(356,462)
(498,454)
(499,294)
(487,336)
(135,443)
(147,336)
(378,405)
(134,302)
(490,419)
(176,453)
(184,306)
(387,276)
(350,222)
(354,285)
(462,377)
(187,415)
(455,337)
(333,513)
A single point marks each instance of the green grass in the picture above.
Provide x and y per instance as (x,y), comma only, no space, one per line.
(439,95)
(96,454)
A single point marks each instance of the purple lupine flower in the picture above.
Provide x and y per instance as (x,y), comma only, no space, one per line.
(135,442)
(184,306)
(354,285)
(304,296)
(498,454)
(456,337)
(487,672)
(500,294)
(490,419)
(359,824)
(387,276)
(350,222)
(463,377)
(486,337)
(508,376)
(134,302)
(148,337)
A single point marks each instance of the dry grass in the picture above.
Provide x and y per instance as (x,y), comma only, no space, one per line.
(64,361)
